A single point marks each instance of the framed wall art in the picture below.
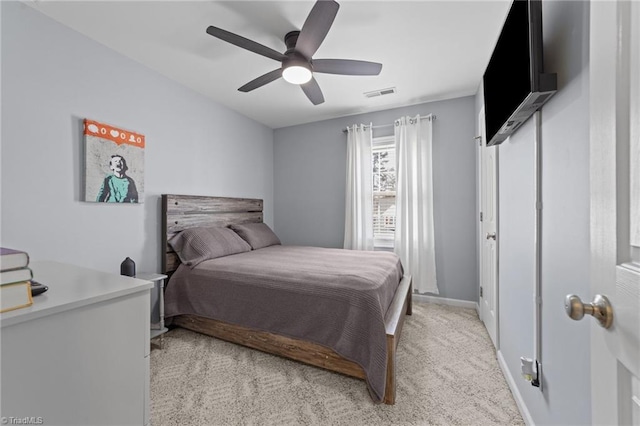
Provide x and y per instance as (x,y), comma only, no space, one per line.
(114,164)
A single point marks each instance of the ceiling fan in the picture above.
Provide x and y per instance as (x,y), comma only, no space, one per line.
(298,65)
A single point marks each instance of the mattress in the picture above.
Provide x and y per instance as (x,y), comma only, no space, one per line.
(332,297)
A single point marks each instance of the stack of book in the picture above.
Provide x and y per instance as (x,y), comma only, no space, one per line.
(15,280)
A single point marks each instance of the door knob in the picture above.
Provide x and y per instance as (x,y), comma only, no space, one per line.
(600,309)
(491,236)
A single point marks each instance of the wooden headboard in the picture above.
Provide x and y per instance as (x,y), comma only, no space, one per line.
(181,212)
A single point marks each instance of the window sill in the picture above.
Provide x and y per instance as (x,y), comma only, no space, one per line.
(383,244)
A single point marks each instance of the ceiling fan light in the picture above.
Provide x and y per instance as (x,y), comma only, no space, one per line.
(297,74)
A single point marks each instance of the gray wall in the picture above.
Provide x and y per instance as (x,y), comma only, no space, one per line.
(310,176)
(565,396)
(52,78)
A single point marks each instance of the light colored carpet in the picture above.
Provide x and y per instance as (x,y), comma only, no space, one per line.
(447,373)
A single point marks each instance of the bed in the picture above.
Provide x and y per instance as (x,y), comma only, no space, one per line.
(271,298)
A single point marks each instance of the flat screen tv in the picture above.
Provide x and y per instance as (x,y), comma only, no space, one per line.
(515,85)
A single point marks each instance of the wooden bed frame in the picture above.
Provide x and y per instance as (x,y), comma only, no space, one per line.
(181,212)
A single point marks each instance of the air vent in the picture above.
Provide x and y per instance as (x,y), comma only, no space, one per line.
(380,92)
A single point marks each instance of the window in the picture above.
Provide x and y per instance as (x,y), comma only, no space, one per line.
(384,191)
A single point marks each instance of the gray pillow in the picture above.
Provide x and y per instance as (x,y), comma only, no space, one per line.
(196,245)
(258,235)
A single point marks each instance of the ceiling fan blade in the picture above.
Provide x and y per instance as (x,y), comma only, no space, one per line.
(316,27)
(346,67)
(313,92)
(245,43)
(262,80)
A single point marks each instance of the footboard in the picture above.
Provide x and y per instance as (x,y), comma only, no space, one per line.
(400,305)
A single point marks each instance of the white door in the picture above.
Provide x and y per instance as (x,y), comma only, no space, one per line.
(488,234)
(615,208)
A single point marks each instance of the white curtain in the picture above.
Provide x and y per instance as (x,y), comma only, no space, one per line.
(358,223)
(414,236)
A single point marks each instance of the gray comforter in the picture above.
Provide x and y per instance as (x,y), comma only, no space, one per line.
(333,297)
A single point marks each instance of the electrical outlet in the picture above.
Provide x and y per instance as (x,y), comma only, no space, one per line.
(526,367)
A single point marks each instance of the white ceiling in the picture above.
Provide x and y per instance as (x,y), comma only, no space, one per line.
(430,50)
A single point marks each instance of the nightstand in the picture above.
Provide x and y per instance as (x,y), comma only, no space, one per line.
(157,303)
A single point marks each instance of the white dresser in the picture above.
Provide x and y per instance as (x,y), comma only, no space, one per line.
(80,354)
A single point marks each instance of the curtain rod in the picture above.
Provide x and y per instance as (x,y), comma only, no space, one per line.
(428,116)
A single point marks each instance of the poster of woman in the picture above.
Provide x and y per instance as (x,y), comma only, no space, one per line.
(114,164)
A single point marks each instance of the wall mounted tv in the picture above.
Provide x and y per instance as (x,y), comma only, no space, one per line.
(515,85)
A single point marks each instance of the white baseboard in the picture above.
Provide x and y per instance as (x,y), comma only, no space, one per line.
(478,308)
(524,412)
(423,298)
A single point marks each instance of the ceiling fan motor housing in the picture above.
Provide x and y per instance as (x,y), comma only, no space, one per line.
(295,59)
